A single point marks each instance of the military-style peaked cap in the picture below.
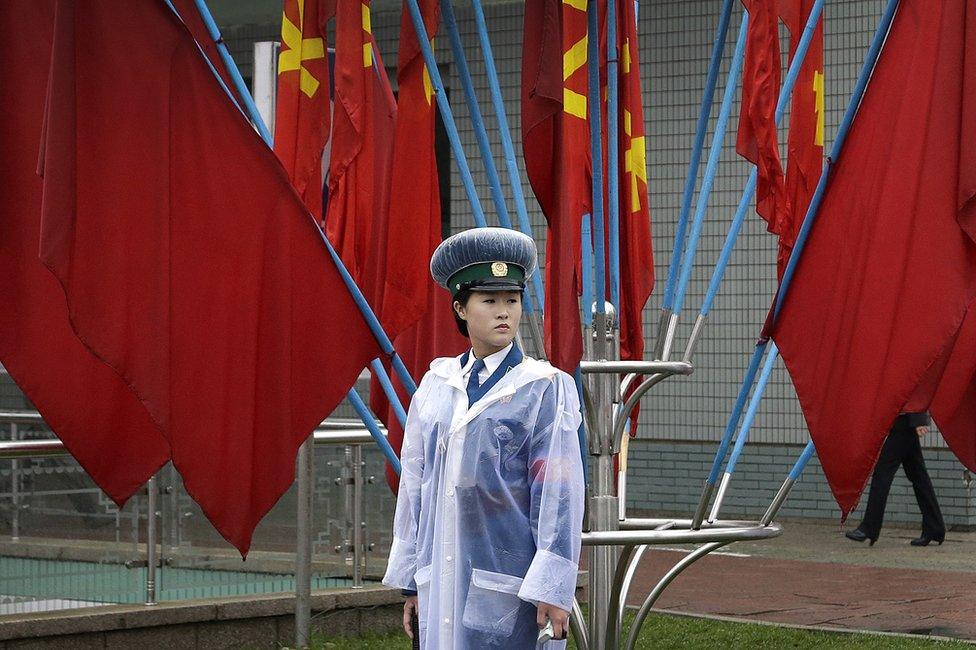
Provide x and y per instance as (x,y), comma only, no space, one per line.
(484,259)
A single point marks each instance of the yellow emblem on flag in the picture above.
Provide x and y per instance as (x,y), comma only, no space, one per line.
(635,163)
(818,90)
(299,49)
(368,44)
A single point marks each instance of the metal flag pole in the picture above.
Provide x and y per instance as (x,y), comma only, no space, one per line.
(665,329)
(487,158)
(231,67)
(613,162)
(711,169)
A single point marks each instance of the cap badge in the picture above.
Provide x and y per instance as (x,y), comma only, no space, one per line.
(499,269)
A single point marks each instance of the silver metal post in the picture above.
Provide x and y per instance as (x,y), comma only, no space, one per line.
(578,626)
(15,487)
(720,496)
(152,540)
(662,326)
(693,339)
(303,550)
(535,332)
(706,496)
(357,517)
(669,335)
(778,500)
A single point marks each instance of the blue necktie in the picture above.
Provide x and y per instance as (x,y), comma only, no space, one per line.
(473,382)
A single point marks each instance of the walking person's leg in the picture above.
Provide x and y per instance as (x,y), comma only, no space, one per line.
(884,473)
(933,527)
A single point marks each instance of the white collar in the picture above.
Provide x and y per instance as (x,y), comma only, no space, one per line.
(492,361)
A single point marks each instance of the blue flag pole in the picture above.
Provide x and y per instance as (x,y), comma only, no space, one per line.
(691,179)
(613,161)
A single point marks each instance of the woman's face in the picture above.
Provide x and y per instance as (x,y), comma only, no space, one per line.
(492,318)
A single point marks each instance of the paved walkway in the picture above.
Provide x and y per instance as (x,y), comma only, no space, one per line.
(812,575)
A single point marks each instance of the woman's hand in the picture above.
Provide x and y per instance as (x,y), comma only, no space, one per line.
(559,618)
(922,430)
(409,611)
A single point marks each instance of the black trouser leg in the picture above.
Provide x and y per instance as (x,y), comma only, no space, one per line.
(884,473)
(914,464)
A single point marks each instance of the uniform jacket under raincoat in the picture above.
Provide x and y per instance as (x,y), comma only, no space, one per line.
(490,506)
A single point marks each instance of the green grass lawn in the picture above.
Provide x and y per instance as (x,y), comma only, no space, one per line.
(662,631)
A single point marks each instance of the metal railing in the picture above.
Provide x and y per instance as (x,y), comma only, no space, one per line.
(351,434)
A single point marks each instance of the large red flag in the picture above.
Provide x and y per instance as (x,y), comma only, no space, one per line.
(414,228)
(83,400)
(880,296)
(413,306)
(757,139)
(302,113)
(434,335)
(804,159)
(555,143)
(636,248)
(188,262)
(361,150)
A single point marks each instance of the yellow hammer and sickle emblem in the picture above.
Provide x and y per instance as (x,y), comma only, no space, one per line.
(818,90)
(635,163)
(299,49)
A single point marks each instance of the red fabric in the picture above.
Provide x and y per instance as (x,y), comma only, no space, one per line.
(555,142)
(889,269)
(433,335)
(805,148)
(361,150)
(413,305)
(414,228)
(302,119)
(188,262)
(84,402)
(636,247)
(756,140)
(190,15)
(804,161)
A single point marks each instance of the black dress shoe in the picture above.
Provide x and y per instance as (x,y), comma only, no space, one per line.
(925,540)
(859,535)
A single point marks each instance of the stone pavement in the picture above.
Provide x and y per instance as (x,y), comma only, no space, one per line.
(812,575)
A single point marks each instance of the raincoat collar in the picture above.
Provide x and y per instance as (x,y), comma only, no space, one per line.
(512,359)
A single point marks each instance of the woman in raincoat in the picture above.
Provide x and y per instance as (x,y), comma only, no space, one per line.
(489,512)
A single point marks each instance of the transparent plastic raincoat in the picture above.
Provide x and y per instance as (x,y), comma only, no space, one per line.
(490,506)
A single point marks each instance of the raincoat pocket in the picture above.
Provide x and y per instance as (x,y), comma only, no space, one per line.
(422,578)
(493,603)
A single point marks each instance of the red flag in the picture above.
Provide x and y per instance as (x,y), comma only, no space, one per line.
(433,335)
(804,160)
(636,248)
(83,400)
(756,140)
(889,270)
(361,150)
(555,142)
(302,119)
(414,229)
(188,262)
(413,305)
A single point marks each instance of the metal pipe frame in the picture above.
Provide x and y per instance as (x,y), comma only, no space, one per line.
(659,588)
(152,541)
(636,367)
(577,627)
(305,477)
(728,534)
